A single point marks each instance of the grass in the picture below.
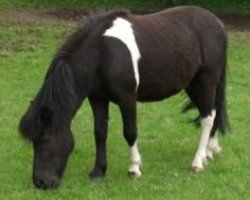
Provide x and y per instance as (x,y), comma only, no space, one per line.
(221,6)
(137,5)
(166,141)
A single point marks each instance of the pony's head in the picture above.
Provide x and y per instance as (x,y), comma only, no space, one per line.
(46,124)
(52,144)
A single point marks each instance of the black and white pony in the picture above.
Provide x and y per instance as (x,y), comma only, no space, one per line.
(124,58)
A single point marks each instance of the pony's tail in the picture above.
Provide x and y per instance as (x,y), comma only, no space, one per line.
(221,121)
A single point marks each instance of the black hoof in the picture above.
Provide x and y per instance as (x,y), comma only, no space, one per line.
(96,179)
(96,175)
(133,175)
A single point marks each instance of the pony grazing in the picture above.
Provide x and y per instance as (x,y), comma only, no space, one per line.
(124,58)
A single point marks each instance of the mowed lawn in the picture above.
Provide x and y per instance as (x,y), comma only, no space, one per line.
(167,141)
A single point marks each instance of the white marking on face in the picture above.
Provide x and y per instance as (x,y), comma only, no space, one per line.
(135,159)
(122,29)
(200,156)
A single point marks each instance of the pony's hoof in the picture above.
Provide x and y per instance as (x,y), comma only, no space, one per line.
(96,175)
(199,162)
(209,155)
(134,171)
(96,179)
(205,161)
(217,150)
(134,174)
(196,169)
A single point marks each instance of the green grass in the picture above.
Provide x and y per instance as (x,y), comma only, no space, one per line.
(138,5)
(167,142)
(224,6)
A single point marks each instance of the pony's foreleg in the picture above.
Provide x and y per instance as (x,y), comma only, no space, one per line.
(128,110)
(100,112)
(201,153)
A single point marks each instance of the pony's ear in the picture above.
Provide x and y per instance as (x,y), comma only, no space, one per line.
(46,115)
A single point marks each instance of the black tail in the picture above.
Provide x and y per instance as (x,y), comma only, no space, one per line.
(221,121)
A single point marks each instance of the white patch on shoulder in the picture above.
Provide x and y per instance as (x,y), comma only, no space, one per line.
(122,29)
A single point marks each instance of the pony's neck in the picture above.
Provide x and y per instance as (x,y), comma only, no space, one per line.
(61,93)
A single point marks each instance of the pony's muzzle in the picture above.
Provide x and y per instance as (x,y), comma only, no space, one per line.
(46,182)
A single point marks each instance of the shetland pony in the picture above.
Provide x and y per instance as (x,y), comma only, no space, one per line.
(124,58)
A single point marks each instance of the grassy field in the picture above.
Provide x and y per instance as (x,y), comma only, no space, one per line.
(167,142)
(225,6)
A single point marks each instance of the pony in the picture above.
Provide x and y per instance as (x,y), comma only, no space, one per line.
(119,57)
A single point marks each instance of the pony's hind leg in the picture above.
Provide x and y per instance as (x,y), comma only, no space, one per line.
(202,93)
(213,147)
(201,154)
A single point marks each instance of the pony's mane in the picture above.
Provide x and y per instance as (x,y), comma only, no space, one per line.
(53,104)
(59,74)
(58,91)
(93,26)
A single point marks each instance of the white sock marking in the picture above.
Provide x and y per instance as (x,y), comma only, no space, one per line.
(122,29)
(213,145)
(135,159)
(200,156)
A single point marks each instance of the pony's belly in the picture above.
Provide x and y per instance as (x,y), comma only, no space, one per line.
(163,85)
(155,94)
